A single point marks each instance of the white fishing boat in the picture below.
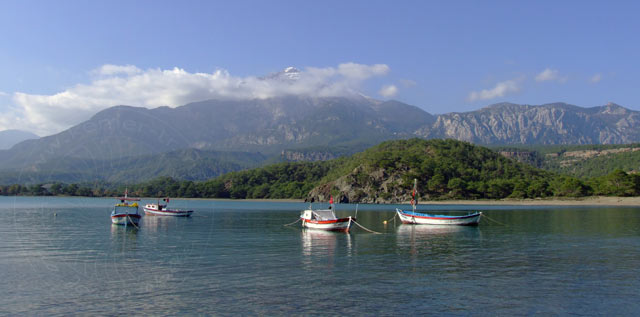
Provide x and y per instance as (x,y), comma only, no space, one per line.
(126,211)
(418,218)
(325,219)
(159,209)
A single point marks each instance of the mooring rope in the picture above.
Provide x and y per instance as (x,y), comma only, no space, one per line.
(359,225)
(133,223)
(395,214)
(498,222)
(293,222)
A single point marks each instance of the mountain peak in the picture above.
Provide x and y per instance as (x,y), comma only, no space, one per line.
(288,74)
(9,138)
(291,69)
(612,108)
(503,105)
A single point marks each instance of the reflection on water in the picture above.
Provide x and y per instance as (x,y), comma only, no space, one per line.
(320,243)
(124,237)
(427,230)
(436,240)
(158,224)
(237,258)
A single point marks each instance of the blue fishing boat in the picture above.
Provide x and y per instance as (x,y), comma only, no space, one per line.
(418,218)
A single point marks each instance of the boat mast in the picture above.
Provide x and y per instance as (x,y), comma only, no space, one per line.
(414,201)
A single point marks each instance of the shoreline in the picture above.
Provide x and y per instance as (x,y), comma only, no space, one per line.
(582,201)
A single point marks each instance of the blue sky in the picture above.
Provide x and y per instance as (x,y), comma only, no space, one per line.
(62,61)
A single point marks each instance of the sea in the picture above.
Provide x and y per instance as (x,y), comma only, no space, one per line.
(61,256)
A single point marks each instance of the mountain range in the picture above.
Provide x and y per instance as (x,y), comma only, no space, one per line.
(9,138)
(290,128)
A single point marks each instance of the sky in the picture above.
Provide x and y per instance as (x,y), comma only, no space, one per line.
(63,61)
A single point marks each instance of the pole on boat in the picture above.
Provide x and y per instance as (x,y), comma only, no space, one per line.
(414,202)
(356,215)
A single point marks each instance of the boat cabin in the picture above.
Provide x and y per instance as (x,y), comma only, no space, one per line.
(155,206)
(320,215)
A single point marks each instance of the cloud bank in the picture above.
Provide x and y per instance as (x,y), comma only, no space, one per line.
(129,85)
(388,91)
(550,75)
(501,89)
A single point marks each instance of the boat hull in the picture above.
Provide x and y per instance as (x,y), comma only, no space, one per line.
(409,217)
(168,212)
(340,224)
(125,219)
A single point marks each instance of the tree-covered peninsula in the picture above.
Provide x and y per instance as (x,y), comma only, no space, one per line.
(444,169)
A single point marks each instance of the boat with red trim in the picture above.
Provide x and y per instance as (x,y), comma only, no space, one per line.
(325,219)
(159,209)
(126,211)
(418,218)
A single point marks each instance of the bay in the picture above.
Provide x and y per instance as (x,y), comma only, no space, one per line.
(62,256)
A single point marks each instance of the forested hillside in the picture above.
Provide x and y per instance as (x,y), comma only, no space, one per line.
(444,169)
(582,161)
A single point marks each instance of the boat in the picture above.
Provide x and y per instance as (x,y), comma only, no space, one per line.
(418,218)
(126,211)
(159,209)
(325,219)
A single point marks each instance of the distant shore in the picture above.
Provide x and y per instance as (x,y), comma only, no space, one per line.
(583,201)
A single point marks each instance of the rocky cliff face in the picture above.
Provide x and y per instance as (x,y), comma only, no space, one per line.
(528,157)
(375,187)
(298,156)
(556,123)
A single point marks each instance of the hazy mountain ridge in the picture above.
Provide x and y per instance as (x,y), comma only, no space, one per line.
(556,123)
(187,164)
(296,124)
(268,125)
(9,138)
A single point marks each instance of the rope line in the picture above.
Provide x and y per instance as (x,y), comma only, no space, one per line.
(133,223)
(395,214)
(498,222)
(293,222)
(359,225)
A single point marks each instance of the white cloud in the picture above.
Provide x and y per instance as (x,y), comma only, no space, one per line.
(109,69)
(500,90)
(129,85)
(388,91)
(362,72)
(596,78)
(550,75)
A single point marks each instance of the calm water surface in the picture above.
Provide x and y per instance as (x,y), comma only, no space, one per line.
(61,256)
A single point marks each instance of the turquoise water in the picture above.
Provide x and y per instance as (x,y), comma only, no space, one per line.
(62,256)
